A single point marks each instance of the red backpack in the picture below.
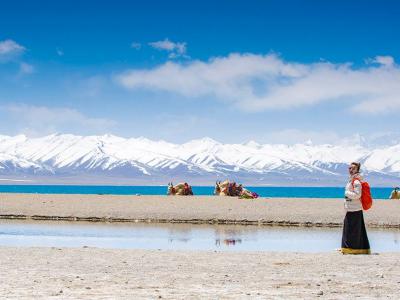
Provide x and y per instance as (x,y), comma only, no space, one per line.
(366,198)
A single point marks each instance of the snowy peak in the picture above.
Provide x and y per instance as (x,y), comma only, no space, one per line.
(109,155)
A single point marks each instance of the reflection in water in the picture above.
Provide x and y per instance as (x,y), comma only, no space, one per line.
(183,240)
(228,242)
(230,236)
(183,236)
(396,237)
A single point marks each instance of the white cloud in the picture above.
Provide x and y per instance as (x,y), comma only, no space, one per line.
(9,50)
(260,82)
(25,68)
(9,47)
(384,60)
(44,120)
(175,49)
(136,45)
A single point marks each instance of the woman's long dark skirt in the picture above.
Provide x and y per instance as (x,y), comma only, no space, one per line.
(355,239)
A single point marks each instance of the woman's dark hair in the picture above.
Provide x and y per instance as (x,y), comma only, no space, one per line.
(358,165)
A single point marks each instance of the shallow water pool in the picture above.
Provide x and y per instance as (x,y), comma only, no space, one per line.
(184,236)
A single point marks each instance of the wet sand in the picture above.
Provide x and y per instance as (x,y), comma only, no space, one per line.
(196,209)
(90,273)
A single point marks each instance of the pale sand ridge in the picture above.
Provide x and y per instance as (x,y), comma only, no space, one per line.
(195,209)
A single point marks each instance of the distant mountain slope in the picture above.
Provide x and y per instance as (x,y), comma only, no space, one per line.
(68,158)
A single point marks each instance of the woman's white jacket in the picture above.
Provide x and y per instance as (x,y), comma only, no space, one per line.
(352,200)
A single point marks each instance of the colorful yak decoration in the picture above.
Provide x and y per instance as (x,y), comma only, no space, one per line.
(181,189)
(232,189)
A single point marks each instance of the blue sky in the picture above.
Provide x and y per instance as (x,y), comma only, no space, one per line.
(269,71)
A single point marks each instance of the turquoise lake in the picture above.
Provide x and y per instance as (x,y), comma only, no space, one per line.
(300,192)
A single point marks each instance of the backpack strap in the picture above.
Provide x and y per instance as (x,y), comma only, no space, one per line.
(354,179)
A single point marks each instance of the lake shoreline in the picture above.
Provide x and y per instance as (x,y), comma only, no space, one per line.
(190,221)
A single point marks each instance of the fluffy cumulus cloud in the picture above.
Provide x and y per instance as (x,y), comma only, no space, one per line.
(39,120)
(261,82)
(175,49)
(9,48)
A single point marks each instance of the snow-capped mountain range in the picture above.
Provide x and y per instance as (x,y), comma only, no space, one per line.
(65,158)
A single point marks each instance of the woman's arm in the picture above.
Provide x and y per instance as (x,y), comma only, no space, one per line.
(356,193)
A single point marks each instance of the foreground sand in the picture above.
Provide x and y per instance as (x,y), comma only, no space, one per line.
(89,273)
(197,209)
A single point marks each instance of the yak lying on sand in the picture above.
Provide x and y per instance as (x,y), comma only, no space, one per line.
(226,188)
(232,189)
(181,189)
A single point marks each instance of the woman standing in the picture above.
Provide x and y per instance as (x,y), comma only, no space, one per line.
(354,239)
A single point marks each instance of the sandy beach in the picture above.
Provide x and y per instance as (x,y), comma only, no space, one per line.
(88,273)
(93,273)
(196,209)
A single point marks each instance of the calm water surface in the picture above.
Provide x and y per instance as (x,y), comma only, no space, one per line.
(184,237)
